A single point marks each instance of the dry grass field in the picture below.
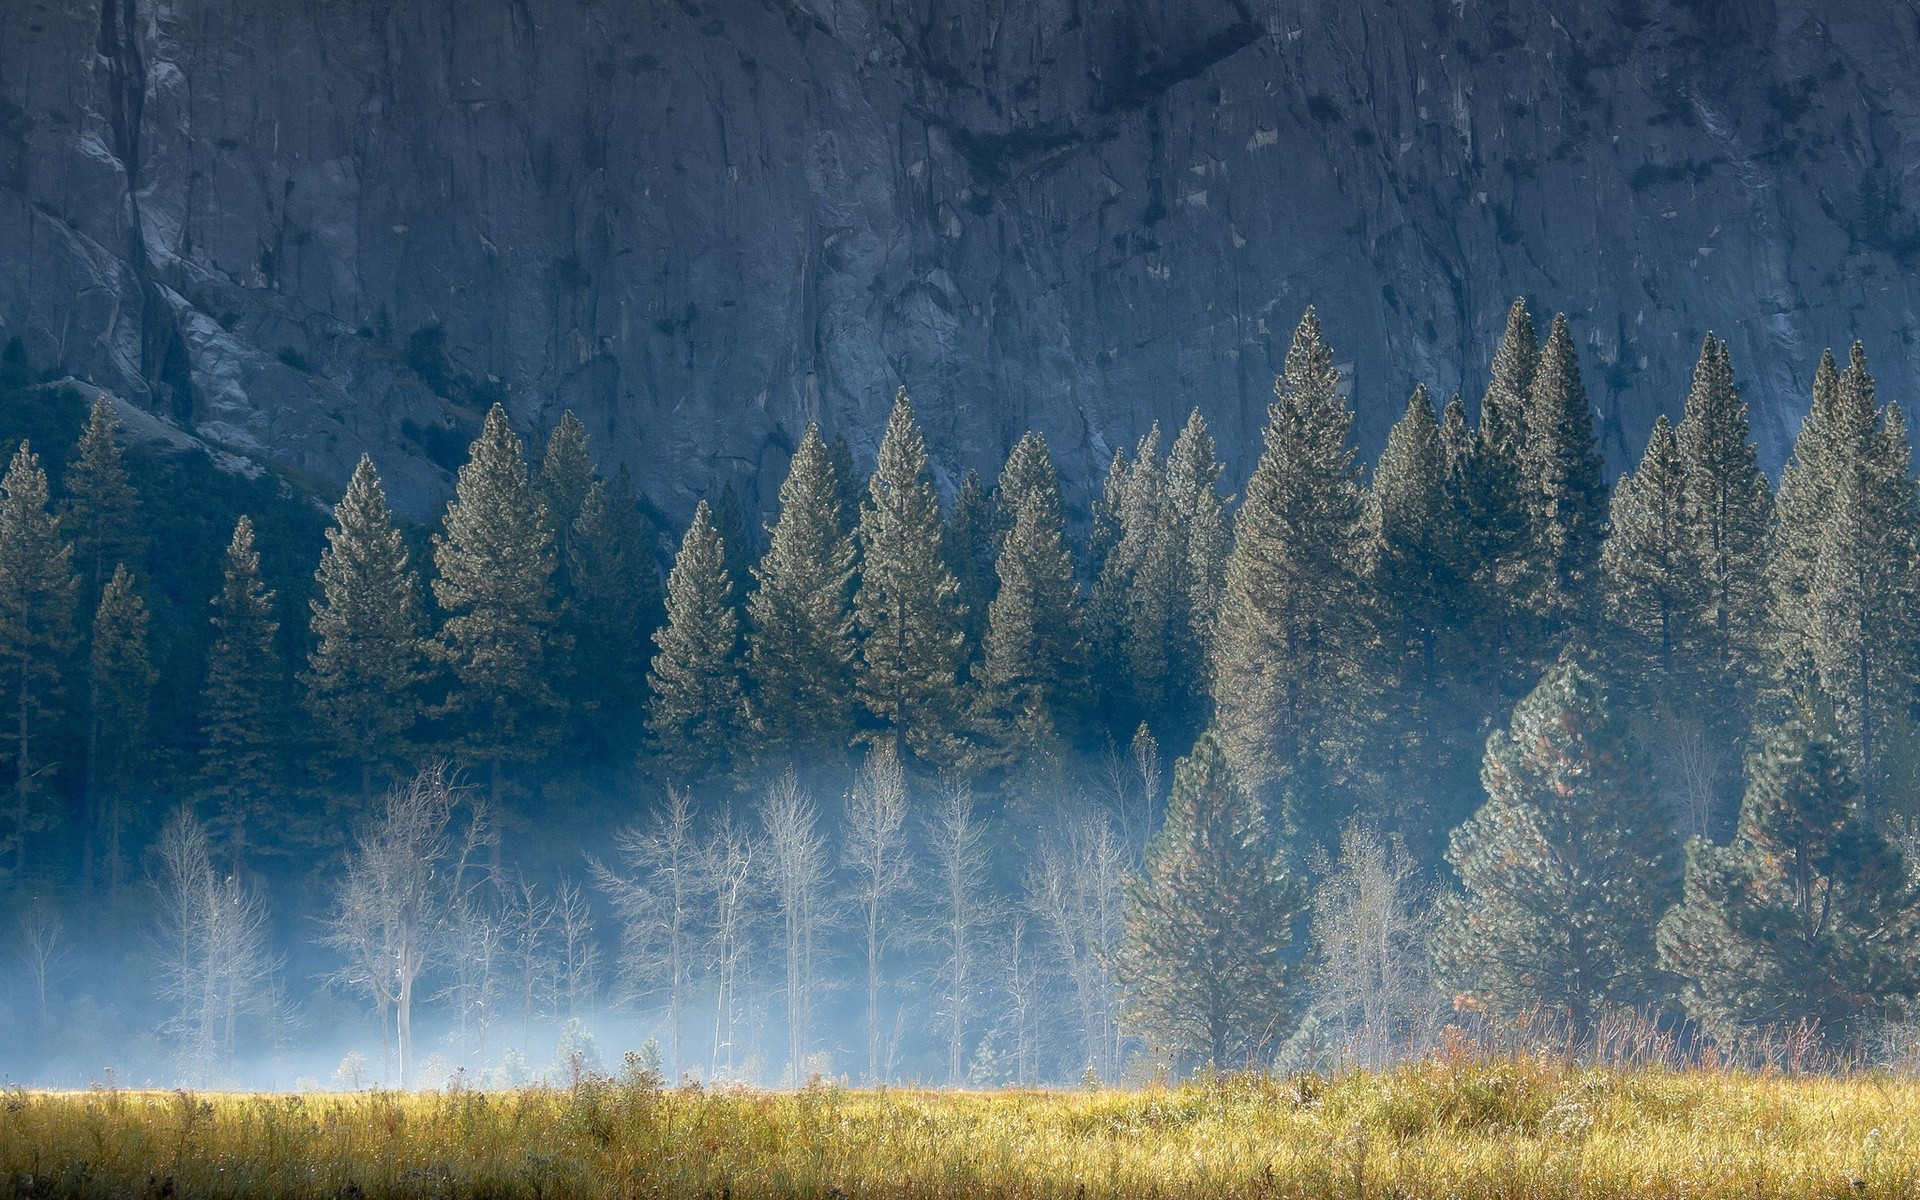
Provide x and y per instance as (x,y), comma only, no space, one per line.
(1517,1127)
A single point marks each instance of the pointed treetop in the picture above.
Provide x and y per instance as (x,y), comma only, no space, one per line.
(1308,380)
(566,472)
(1503,411)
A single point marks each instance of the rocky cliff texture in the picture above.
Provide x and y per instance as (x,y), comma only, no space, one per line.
(304,228)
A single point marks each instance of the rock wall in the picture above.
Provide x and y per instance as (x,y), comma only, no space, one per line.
(307,228)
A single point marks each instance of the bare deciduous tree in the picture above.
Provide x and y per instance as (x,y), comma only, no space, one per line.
(477,955)
(1373,991)
(876,856)
(576,956)
(1076,889)
(215,965)
(797,866)
(657,903)
(42,952)
(528,919)
(959,911)
(404,877)
(726,861)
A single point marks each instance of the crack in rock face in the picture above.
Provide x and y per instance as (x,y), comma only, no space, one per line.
(307,230)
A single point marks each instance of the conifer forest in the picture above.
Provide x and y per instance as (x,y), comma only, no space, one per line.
(958,781)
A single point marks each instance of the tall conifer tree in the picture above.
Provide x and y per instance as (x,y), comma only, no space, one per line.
(495,583)
(1033,652)
(906,606)
(800,648)
(367,656)
(1420,574)
(1653,586)
(1204,959)
(1565,493)
(1809,914)
(1200,515)
(694,685)
(1290,646)
(613,606)
(243,708)
(37,592)
(1567,866)
(968,546)
(120,679)
(1491,479)
(1729,505)
(99,515)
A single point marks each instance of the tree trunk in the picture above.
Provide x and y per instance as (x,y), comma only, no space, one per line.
(406,1033)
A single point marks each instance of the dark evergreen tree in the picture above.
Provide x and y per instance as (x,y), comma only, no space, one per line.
(613,607)
(847,480)
(37,593)
(1200,521)
(1729,506)
(1204,959)
(120,679)
(968,546)
(1491,478)
(906,606)
(242,762)
(565,477)
(495,583)
(365,666)
(1653,589)
(1291,643)
(1029,672)
(1566,868)
(1420,574)
(742,544)
(100,513)
(1810,914)
(1846,592)
(1565,493)
(694,686)
(800,648)
(1128,521)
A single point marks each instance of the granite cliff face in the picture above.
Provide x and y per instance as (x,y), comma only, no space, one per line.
(304,228)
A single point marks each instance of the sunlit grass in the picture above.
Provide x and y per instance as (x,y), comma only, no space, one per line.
(1513,1128)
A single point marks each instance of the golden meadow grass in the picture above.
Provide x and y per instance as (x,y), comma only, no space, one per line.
(1522,1127)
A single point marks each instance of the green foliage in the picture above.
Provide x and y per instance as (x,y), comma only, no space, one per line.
(800,646)
(1566,497)
(367,658)
(37,591)
(101,513)
(1204,961)
(243,759)
(695,681)
(1809,915)
(495,584)
(120,679)
(1291,642)
(907,604)
(1565,869)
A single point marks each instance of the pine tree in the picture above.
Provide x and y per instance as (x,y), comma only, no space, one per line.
(1204,959)
(800,648)
(367,656)
(1729,506)
(906,607)
(1290,645)
(100,511)
(241,706)
(37,592)
(1846,567)
(120,679)
(495,583)
(613,606)
(1028,471)
(565,477)
(1490,477)
(1033,649)
(968,546)
(1125,523)
(694,685)
(1653,587)
(742,546)
(1200,516)
(1809,914)
(847,481)
(1566,868)
(1565,494)
(1420,567)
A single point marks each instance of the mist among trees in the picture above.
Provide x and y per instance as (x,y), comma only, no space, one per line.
(968,789)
